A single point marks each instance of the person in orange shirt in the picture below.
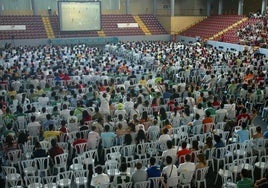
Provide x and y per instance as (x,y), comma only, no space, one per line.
(207,120)
(167,125)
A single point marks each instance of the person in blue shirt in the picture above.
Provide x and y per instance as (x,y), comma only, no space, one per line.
(243,134)
(107,137)
(219,142)
(153,170)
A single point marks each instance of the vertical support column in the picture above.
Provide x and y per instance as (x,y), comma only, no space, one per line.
(220,8)
(172,5)
(208,7)
(240,7)
(155,7)
(35,12)
(127,6)
(263,7)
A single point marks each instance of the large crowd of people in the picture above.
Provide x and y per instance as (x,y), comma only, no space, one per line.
(165,94)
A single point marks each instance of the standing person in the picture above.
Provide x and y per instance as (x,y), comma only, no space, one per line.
(170,171)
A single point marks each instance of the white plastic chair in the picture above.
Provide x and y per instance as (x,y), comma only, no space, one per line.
(219,156)
(77,164)
(49,182)
(60,162)
(209,157)
(64,179)
(14,158)
(89,158)
(124,185)
(157,182)
(81,178)
(80,148)
(249,165)
(142,184)
(141,150)
(225,174)
(235,167)
(12,178)
(262,164)
(64,146)
(128,152)
(45,145)
(42,164)
(33,181)
(200,177)
(112,167)
(28,167)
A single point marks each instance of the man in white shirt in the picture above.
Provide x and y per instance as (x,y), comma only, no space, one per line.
(101,178)
(221,113)
(65,112)
(169,172)
(93,138)
(170,151)
(165,136)
(186,170)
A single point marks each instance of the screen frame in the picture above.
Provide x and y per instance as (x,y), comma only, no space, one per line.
(60,15)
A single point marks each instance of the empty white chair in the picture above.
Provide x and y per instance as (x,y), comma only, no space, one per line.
(219,156)
(14,157)
(142,184)
(200,177)
(49,182)
(262,164)
(157,182)
(64,179)
(124,185)
(77,164)
(89,158)
(60,162)
(249,164)
(81,178)
(28,167)
(112,167)
(33,181)
(12,178)
(42,164)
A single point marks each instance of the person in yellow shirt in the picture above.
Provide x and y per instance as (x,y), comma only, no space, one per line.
(142,81)
(51,132)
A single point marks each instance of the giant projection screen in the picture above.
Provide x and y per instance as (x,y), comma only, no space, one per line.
(79,15)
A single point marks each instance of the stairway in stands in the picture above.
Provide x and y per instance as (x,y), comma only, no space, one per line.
(48,28)
(142,25)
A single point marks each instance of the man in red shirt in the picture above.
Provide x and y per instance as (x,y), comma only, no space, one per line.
(243,117)
(54,150)
(182,152)
(79,140)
